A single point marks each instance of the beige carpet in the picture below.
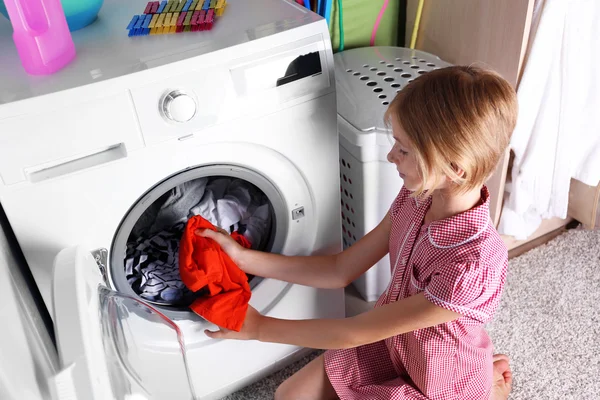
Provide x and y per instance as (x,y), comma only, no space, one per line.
(548,323)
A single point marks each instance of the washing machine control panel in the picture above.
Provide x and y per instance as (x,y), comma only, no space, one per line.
(178,106)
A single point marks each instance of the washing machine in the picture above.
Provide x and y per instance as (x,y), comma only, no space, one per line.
(84,153)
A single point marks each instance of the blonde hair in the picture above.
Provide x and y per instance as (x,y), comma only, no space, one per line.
(458,119)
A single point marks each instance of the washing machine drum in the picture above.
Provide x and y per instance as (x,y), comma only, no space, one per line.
(145,255)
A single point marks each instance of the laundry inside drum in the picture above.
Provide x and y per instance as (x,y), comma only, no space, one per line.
(152,253)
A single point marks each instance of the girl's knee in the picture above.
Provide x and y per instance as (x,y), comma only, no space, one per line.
(293,389)
(282,392)
(310,383)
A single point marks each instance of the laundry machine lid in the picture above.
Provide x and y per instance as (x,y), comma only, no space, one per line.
(368,78)
(112,345)
(105,51)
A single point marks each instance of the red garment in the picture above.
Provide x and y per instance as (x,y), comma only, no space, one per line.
(459,263)
(203,263)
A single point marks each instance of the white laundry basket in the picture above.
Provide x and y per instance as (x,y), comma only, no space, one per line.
(367,80)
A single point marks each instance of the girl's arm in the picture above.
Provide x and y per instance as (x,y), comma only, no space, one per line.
(406,315)
(326,272)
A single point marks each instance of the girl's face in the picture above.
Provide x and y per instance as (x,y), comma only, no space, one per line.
(404,157)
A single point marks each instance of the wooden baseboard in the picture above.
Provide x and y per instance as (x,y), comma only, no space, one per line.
(584,208)
(547,231)
(530,245)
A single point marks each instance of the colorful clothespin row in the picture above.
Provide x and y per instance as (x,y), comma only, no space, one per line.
(171,16)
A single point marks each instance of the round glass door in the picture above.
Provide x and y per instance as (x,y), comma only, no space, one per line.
(144,256)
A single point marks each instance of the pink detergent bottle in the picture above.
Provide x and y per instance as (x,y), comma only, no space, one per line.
(41,35)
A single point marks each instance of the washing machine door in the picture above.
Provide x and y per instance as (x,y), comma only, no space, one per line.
(111,346)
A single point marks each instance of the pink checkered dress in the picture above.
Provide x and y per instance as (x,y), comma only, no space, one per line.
(460,264)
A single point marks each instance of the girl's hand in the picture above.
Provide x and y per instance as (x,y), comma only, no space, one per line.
(249,330)
(229,246)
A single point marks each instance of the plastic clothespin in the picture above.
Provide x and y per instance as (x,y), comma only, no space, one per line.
(194,21)
(173,23)
(137,29)
(155,6)
(170,5)
(210,18)
(166,28)
(161,19)
(159,24)
(206,5)
(152,25)
(162,6)
(201,22)
(187,5)
(180,22)
(133,22)
(148,8)
(178,6)
(220,8)
(186,23)
(146,25)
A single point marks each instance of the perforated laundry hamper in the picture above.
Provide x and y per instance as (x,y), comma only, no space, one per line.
(367,80)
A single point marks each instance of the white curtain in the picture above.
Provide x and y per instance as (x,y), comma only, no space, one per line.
(558,130)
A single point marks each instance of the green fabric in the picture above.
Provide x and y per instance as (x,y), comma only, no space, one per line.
(359,19)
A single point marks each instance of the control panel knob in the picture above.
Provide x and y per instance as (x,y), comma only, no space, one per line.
(179,106)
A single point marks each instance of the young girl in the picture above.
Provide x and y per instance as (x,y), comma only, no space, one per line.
(425,338)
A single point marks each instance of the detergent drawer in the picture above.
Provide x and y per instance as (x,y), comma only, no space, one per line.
(67,138)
